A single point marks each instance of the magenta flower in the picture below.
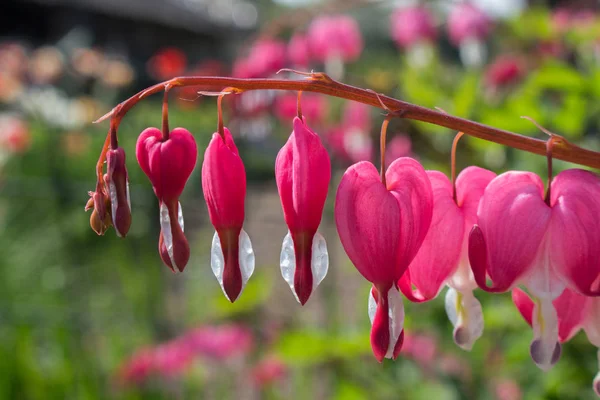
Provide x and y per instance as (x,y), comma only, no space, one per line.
(219,342)
(504,71)
(168,163)
(303,171)
(519,238)
(381,228)
(467,22)
(399,146)
(412,25)
(335,37)
(298,50)
(224,186)
(117,183)
(443,259)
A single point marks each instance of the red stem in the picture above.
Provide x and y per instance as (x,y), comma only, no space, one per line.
(321,83)
(165,114)
(220,126)
(453,163)
(382,140)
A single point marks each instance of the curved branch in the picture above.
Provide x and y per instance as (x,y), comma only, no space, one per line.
(321,83)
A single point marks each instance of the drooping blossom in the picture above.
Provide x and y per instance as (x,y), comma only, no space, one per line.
(266,57)
(443,256)
(381,228)
(467,22)
(504,71)
(224,186)
(219,342)
(298,50)
(303,171)
(412,25)
(167,63)
(168,161)
(268,371)
(117,184)
(335,41)
(545,245)
(314,107)
(468,27)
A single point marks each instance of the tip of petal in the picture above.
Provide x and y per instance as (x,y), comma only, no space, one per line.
(542,359)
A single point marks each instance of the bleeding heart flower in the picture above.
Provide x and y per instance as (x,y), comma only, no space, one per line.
(381,227)
(303,171)
(117,183)
(298,50)
(412,25)
(519,238)
(467,22)
(224,186)
(443,258)
(168,162)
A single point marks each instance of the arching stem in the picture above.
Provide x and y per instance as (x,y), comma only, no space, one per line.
(299,105)
(220,126)
(165,114)
(453,163)
(382,141)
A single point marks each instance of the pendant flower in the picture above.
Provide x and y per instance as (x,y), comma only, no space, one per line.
(521,238)
(224,186)
(443,259)
(117,182)
(168,161)
(381,228)
(303,171)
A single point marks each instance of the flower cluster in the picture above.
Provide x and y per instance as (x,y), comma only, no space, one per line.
(409,232)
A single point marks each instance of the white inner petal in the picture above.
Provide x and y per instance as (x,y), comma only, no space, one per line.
(112,191)
(246,259)
(319,263)
(545,344)
(464,311)
(395,313)
(165,226)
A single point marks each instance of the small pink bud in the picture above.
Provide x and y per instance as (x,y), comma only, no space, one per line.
(117,184)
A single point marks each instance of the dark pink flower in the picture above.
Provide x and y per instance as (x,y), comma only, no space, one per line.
(443,259)
(268,370)
(467,22)
(412,25)
(335,37)
(224,187)
(399,146)
(219,342)
(266,57)
(303,171)
(168,163)
(167,63)
(504,71)
(381,228)
(351,140)
(519,238)
(298,50)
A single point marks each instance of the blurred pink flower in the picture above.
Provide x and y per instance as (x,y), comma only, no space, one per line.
(335,36)
(351,140)
(467,22)
(504,71)
(565,19)
(268,371)
(267,56)
(399,146)
(14,134)
(298,50)
(314,107)
(175,356)
(420,347)
(411,25)
(219,342)
(167,63)
(507,389)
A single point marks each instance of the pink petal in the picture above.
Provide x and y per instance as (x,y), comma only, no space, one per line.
(367,218)
(439,254)
(574,229)
(408,182)
(303,171)
(524,304)
(572,309)
(512,221)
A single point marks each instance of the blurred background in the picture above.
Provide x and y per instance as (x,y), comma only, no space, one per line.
(88,317)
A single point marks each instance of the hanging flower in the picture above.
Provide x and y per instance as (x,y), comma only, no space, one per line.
(545,245)
(443,258)
(117,183)
(381,227)
(168,160)
(412,25)
(224,186)
(303,171)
